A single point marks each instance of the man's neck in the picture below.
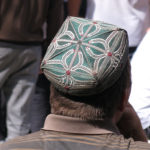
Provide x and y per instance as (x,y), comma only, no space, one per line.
(77,125)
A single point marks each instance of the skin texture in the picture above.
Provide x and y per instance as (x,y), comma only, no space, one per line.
(130,125)
(74,7)
(128,121)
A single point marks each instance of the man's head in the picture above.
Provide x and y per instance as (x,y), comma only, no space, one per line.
(87,64)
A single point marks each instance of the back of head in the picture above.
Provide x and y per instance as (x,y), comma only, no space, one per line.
(87,64)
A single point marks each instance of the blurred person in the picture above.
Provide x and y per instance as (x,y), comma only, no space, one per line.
(140,92)
(21,38)
(132,15)
(89,70)
(40,103)
(40,106)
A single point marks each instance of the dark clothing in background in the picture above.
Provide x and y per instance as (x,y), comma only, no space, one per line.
(40,103)
(131,51)
(22,20)
(21,23)
(3,131)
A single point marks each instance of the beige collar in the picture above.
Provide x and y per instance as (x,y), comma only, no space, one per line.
(76,125)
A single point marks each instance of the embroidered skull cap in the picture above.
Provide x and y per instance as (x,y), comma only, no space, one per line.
(85,57)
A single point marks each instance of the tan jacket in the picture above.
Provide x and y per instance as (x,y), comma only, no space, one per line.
(66,133)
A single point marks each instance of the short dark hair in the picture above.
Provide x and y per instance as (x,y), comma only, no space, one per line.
(95,107)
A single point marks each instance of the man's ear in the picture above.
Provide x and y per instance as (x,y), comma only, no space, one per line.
(125,98)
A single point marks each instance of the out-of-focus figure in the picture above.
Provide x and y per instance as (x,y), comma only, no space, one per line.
(40,103)
(21,38)
(140,91)
(132,15)
(40,106)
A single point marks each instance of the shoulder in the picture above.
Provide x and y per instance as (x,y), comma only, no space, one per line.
(28,142)
(132,145)
(140,146)
(119,142)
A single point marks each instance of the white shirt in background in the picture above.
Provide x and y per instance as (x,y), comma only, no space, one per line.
(131,15)
(140,91)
